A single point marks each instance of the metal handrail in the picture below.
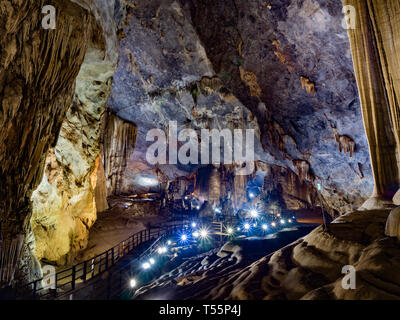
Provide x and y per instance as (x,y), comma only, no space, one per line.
(87,270)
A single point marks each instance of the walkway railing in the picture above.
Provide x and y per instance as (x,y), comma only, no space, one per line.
(50,287)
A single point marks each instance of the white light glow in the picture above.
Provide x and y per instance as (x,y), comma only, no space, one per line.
(229,230)
(162,250)
(254,213)
(169,242)
(193,224)
(195,234)
(238,229)
(148,181)
(152,261)
(273,224)
(146,265)
(203,233)
(283,221)
(251,195)
(265,227)
(132,283)
(246,226)
(184,237)
(290,220)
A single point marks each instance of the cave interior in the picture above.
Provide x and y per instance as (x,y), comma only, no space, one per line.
(276,121)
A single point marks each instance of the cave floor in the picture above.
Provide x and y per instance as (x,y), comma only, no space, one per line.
(114,226)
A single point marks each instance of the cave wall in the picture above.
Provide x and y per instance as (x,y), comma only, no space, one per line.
(38,68)
(376,57)
(294,57)
(64,206)
(294,86)
(164,75)
(38,72)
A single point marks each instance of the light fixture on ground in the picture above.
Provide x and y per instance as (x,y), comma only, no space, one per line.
(162,250)
(254,213)
(203,233)
(146,266)
(132,283)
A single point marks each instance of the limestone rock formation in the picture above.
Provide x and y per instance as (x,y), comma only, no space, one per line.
(119,138)
(247,36)
(43,66)
(38,69)
(210,68)
(374,44)
(64,205)
(393,224)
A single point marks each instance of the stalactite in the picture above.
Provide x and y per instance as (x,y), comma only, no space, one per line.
(10,251)
(250,79)
(303,169)
(214,191)
(308,85)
